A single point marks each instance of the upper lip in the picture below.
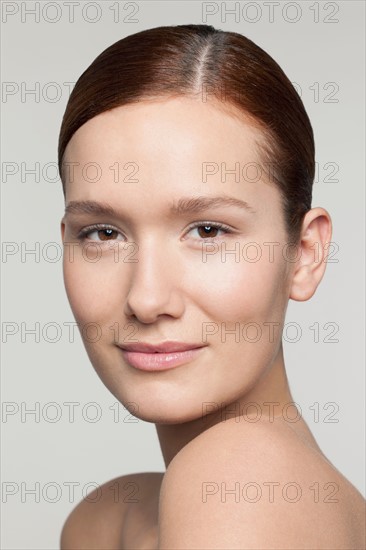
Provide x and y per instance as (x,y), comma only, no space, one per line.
(164,347)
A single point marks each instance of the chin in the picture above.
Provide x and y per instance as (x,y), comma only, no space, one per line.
(158,405)
(163,408)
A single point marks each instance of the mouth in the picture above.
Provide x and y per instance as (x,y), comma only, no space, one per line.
(163,347)
(147,357)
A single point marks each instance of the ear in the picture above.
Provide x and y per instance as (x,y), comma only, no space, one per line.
(309,269)
(62,227)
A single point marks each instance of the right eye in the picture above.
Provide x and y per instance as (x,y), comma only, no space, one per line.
(105,233)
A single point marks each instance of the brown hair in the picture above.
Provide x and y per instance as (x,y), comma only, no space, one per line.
(179,60)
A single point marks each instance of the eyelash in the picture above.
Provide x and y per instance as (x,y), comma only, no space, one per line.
(99,227)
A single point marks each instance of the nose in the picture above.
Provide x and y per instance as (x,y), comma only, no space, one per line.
(153,289)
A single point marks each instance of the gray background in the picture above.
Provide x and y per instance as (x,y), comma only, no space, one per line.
(34,374)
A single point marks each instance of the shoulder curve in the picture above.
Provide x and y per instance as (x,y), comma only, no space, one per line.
(255,485)
(97,520)
(242,442)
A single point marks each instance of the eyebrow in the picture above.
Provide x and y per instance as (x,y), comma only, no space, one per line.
(185,205)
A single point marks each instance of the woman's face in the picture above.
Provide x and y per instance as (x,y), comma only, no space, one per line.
(153,277)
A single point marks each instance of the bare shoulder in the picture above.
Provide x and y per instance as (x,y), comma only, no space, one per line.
(97,521)
(259,486)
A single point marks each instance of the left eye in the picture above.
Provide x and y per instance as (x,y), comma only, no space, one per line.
(209,230)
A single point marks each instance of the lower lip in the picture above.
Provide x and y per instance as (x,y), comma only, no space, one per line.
(159,361)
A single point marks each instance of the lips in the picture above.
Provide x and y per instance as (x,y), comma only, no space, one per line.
(159,357)
(164,347)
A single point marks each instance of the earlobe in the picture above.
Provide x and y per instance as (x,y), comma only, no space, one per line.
(310,267)
(62,227)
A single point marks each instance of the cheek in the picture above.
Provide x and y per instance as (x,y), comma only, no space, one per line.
(94,289)
(243,289)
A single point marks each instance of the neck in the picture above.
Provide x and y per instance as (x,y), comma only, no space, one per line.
(270,394)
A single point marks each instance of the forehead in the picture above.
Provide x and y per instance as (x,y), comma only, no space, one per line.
(168,148)
(169,127)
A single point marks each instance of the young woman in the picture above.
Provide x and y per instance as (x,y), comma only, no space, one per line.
(187,162)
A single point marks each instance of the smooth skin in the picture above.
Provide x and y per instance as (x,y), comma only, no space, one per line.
(164,288)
